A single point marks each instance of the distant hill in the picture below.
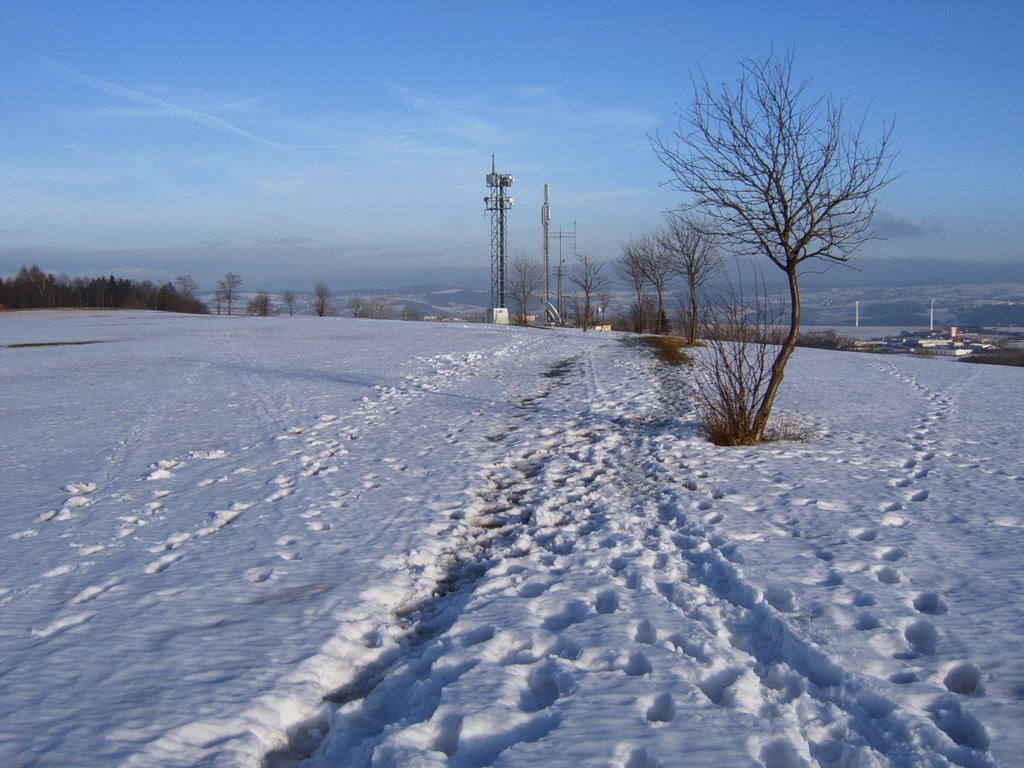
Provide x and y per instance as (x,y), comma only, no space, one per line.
(914,272)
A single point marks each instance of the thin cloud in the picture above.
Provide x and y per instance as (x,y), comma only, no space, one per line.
(889,226)
(165,107)
(290,241)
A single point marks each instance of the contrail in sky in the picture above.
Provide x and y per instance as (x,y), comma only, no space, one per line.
(171,109)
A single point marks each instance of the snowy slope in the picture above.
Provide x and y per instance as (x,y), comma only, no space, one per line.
(326,542)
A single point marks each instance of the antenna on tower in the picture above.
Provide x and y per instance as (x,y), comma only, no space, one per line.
(497,202)
(559,312)
(545,219)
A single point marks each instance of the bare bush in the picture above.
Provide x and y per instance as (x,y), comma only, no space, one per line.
(260,305)
(379,308)
(734,367)
(321,301)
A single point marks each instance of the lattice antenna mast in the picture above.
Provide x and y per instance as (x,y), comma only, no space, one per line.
(497,202)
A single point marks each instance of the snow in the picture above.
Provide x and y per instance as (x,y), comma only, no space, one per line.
(329,542)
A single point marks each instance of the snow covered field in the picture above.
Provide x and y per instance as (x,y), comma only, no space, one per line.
(328,542)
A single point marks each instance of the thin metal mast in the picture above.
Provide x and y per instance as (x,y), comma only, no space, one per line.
(560,236)
(545,219)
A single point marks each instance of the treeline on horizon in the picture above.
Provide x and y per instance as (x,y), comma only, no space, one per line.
(32,288)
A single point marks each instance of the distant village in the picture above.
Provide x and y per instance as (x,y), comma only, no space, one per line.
(950,342)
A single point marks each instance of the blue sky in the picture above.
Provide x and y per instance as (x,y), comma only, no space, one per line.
(349,141)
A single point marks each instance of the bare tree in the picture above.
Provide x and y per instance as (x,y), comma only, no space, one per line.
(357,306)
(227,288)
(525,280)
(629,268)
(186,286)
(288,297)
(411,312)
(260,305)
(657,266)
(586,275)
(778,175)
(695,258)
(321,300)
(379,308)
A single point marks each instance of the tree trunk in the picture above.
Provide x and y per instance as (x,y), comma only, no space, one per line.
(691,331)
(785,352)
(661,311)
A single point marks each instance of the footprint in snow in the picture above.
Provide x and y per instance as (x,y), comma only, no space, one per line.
(922,637)
(716,686)
(607,601)
(161,564)
(892,554)
(80,489)
(662,709)
(962,678)
(259,575)
(575,611)
(641,758)
(865,534)
(867,621)
(546,683)
(638,665)
(929,603)
(888,575)
(63,624)
(961,726)
(162,469)
(646,633)
(95,590)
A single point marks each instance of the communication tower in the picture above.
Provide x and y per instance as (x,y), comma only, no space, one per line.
(497,202)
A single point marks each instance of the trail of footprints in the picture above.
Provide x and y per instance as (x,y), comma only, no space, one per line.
(739,647)
(129,509)
(713,563)
(537,502)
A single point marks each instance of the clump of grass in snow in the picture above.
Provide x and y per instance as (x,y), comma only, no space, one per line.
(669,349)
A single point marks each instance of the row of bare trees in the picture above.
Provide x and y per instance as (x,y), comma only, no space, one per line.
(262,304)
(681,251)
(587,306)
(374,307)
